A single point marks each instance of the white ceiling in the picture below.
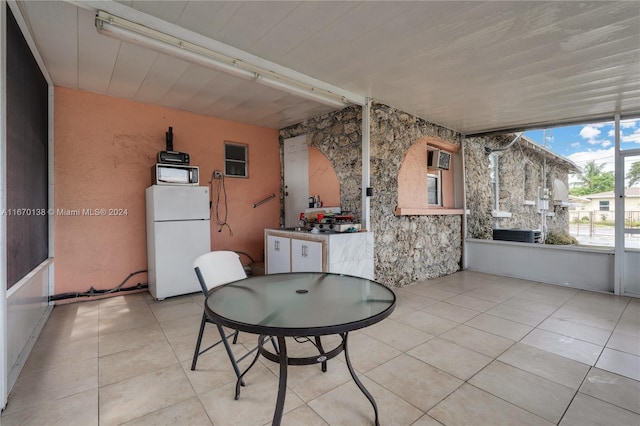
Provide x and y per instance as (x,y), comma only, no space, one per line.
(470,66)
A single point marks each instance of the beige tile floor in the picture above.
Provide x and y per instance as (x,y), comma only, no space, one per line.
(468,348)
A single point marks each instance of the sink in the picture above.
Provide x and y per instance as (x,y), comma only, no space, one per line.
(302,229)
(295,228)
(328,231)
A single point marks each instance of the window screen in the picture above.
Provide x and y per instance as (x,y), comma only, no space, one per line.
(27,165)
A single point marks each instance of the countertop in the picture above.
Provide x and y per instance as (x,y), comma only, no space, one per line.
(304,231)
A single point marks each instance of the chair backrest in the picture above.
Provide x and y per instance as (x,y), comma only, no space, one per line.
(218,267)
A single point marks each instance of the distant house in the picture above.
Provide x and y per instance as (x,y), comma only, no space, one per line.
(603,203)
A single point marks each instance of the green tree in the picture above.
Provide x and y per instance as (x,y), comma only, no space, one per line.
(593,180)
(634,174)
(589,173)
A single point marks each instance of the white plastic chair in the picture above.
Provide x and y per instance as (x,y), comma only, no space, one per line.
(214,269)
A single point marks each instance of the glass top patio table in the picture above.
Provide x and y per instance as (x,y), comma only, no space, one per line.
(300,304)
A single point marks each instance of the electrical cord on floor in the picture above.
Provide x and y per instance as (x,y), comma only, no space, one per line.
(94,292)
(221,190)
(243,253)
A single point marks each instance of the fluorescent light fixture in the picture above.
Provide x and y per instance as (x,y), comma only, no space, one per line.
(172,50)
(140,35)
(309,93)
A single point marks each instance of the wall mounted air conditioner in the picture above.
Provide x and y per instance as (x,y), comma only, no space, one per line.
(438,159)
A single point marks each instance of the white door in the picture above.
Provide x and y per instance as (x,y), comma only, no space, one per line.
(278,255)
(296,179)
(306,256)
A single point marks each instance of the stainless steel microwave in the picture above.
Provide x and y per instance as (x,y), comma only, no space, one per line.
(174,174)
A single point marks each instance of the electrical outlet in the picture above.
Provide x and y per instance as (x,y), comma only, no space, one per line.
(217,174)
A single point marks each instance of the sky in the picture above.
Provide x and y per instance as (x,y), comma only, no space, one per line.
(591,141)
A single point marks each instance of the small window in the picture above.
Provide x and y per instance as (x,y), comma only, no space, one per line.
(604,206)
(434,189)
(235,160)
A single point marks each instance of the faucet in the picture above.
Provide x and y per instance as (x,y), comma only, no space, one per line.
(303,220)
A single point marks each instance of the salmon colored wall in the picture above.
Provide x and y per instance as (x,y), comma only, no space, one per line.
(412,177)
(104,150)
(323,180)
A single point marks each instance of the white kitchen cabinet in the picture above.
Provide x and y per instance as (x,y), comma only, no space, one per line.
(346,253)
(278,254)
(306,256)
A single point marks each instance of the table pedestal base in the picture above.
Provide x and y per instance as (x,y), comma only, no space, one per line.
(284,361)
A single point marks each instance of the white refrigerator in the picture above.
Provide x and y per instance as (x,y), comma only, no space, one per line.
(178,231)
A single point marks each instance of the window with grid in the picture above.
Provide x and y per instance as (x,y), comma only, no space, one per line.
(235,160)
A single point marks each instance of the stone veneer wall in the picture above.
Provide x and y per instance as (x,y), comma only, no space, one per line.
(415,248)
(520,175)
(407,248)
(339,137)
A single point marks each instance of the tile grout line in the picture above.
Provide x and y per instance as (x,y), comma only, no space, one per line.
(103,309)
(516,342)
(483,368)
(200,402)
(611,335)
